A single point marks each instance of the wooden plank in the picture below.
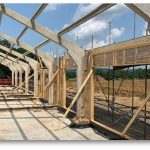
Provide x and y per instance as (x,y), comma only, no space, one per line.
(57,88)
(132,52)
(23,82)
(48,85)
(63,83)
(108,128)
(75,98)
(91,91)
(138,42)
(135,115)
(124,57)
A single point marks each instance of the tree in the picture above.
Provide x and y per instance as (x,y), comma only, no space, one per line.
(5,43)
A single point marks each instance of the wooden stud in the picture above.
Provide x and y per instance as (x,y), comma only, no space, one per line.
(48,85)
(63,83)
(60,83)
(75,98)
(91,91)
(23,82)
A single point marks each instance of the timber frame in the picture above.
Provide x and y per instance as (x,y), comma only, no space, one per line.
(50,73)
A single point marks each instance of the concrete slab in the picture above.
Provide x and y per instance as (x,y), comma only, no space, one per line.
(24,114)
(3,105)
(9,130)
(5,114)
(40,125)
(34,130)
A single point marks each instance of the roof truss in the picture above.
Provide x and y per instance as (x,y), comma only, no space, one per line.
(141,9)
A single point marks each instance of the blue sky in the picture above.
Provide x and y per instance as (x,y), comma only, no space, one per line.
(57,16)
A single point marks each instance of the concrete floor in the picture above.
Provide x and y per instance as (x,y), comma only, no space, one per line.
(36,124)
(39,124)
(17,103)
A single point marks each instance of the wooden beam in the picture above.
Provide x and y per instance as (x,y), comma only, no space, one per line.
(62,82)
(38,12)
(25,46)
(91,90)
(141,9)
(21,56)
(22,33)
(135,115)
(75,98)
(48,85)
(142,41)
(24,82)
(109,129)
(13,59)
(42,44)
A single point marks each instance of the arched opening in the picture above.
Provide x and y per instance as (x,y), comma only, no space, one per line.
(5,75)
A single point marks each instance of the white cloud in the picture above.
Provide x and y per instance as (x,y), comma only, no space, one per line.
(89,28)
(83,9)
(98,24)
(96,43)
(115,11)
(65,26)
(115,33)
(50,7)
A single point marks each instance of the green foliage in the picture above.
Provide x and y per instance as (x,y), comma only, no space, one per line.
(4,72)
(5,43)
(120,74)
(20,50)
(70,74)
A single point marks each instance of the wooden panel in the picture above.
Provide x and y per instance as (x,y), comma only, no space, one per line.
(143,54)
(119,57)
(124,57)
(139,42)
(109,59)
(99,60)
(129,56)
